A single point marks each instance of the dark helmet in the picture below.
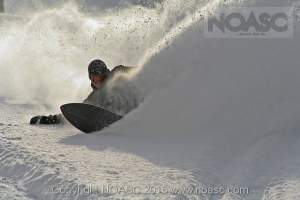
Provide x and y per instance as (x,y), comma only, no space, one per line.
(98,67)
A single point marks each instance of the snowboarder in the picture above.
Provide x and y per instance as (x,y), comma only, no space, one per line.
(99,75)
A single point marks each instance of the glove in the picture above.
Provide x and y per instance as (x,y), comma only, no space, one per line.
(51,119)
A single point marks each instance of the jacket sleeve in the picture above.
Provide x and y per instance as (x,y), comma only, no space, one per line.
(122,69)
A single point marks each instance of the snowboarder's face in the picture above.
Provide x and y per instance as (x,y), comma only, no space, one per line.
(97,80)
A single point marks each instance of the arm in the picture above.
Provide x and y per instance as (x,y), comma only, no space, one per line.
(122,69)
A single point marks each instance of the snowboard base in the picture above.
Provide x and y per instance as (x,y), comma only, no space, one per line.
(88,118)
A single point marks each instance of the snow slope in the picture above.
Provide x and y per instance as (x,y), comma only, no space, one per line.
(217,112)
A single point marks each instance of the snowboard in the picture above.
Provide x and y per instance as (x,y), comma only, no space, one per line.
(88,118)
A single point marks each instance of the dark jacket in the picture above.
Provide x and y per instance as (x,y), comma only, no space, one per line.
(117,93)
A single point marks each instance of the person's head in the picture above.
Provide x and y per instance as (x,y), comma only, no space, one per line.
(98,73)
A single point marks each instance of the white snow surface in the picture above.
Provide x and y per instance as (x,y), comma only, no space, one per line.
(217,112)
